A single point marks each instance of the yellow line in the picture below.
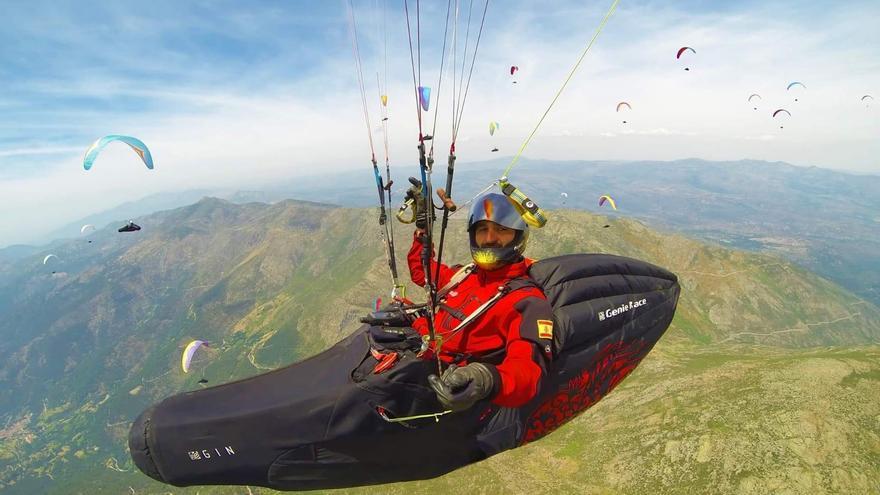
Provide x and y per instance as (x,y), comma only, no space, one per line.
(564,84)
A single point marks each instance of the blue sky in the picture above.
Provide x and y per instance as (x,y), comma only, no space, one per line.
(240,94)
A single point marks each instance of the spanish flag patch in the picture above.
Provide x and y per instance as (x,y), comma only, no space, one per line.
(545,329)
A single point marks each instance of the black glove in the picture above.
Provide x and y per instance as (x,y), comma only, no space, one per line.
(461,387)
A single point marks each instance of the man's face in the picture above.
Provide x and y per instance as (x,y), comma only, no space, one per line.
(488,234)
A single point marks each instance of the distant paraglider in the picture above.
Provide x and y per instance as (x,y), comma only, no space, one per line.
(513,70)
(753,96)
(681,51)
(424,97)
(866,99)
(493,126)
(780,111)
(129,227)
(794,85)
(48,258)
(384,99)
(622,105)
(136,144)
(607,199)
(189,351)
(87,228)
(564,197)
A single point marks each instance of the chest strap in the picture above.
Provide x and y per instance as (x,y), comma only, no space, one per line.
(456,279)
(507,288)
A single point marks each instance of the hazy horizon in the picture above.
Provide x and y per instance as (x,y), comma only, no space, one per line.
(245,96)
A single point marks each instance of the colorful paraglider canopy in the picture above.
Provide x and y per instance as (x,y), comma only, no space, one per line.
(189,351)
(607,199)
(493,126)
(48,257)
(513,69)
(623,104)
(384,99)
(781,110)
(753,96)
(424,97)
(682,50)
(793,84)
(777,112)
(136,144)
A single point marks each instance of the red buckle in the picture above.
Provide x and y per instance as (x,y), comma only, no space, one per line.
(386,361)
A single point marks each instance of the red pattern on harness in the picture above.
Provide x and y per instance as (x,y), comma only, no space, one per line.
(611,365)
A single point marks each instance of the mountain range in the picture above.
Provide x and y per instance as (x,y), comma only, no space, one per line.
(766,381)
(824,220)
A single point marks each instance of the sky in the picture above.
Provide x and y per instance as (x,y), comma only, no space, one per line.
(244,94)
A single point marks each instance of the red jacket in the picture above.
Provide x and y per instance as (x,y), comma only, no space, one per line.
(510,324)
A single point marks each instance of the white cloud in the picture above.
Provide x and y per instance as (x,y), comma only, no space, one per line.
(40,150)
(256,132)
(762,137)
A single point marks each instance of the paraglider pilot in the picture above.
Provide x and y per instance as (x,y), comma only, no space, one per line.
(367,410)
(129,227)
(501,354)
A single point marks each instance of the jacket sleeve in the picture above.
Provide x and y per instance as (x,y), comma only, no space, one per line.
(414,260)
(525,360)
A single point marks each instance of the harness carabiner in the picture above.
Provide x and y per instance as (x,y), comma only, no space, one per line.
(409,204)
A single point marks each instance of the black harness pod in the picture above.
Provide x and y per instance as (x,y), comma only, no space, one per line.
(324,422)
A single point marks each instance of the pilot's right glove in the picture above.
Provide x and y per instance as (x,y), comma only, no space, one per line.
(461,387)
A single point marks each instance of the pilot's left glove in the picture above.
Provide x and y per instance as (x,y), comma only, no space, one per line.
(461,387)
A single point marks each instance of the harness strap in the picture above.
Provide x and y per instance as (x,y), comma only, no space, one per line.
(508,287)
(454,312)
(456,279)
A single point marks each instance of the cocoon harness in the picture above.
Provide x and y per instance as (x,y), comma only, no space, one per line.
(323,423)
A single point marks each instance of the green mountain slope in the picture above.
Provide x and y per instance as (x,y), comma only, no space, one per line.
(821,219)
(84,350)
